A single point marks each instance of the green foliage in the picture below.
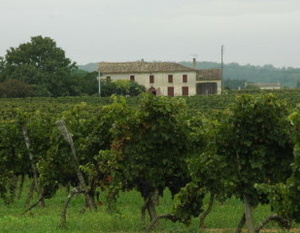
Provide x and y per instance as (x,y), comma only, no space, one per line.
(234,83)
(12,158)
(188,203)
(56,167)
(205,164)
(152,143)
(39,62)
(135,88)
(287,76)
(235,75)
(13,88)
(251,86)
(255,144)
(83,83)
(284,197)
(206,104)
(120,87)
(2,66)
(205,172)
(148,145)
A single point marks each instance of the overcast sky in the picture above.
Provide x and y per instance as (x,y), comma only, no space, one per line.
(255,32)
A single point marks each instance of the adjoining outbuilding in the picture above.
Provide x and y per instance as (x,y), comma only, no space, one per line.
(164,78)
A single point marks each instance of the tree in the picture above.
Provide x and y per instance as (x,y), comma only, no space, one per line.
(127,87)
(39,62)
(135,88)
(108,87)
(234,84)
(251,86)
(2,65)
(84,83)
(13,88)
(121,87)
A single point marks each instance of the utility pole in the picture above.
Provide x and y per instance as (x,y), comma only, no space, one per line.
(99,84)
(222,68)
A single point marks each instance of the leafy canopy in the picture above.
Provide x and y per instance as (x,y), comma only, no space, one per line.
(39,62)
(254,141)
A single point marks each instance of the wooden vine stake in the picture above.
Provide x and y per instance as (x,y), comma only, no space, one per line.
(33,167)
(75,163)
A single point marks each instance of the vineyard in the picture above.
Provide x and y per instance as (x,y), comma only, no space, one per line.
(200,102)
(190,154)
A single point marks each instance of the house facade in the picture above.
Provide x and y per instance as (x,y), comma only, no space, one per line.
(164,78)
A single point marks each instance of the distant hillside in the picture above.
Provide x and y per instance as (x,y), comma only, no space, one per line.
(90,67)
(288,77)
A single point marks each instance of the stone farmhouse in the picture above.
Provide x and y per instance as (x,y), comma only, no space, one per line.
(164,78)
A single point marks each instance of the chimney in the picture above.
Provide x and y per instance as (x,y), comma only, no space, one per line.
(194,63)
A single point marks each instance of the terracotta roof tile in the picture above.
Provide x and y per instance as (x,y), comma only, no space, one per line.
(142,67)
(210,74)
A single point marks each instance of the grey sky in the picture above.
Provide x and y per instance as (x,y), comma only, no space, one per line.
(253,32)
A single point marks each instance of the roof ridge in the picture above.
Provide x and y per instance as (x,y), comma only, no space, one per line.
(142,66)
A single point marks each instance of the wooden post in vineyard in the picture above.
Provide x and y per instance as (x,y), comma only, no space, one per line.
(75,162)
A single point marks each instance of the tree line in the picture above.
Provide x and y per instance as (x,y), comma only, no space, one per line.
(236,75)
(40,68)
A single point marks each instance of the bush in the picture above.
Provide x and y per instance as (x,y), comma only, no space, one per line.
(12,88)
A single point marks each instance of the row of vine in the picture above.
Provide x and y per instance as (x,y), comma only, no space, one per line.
(249,150)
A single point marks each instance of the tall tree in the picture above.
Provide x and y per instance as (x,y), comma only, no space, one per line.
(41,63)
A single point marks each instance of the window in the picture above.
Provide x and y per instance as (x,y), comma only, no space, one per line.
(108,78)
(131,77)
(185,91)
(170,91)
(170,78)
(184,78)
(151,79)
